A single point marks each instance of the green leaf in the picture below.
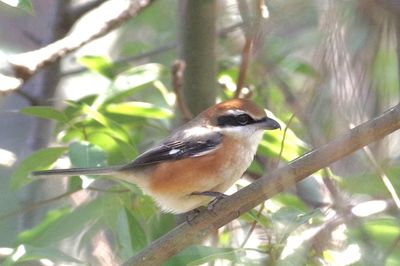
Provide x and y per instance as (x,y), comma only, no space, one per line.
(136,231)
(63,223)
(367,183)
(98,64)
(290,200)
(300,66)
(74,109)
(138,76)
(272,141)
(118,151)
(39,160)
(45,112)
(250,216)
(383,231)
(25,5)
(196,255)
(286,220)
(30,253)
(84,154)
(133,80)
(51,218)
(161,224)
(140,109)
(108,215)
(393,259)
(117,130)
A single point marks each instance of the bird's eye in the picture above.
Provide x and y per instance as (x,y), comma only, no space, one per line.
(243,119)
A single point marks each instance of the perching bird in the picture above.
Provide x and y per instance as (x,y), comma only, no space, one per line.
(198,161)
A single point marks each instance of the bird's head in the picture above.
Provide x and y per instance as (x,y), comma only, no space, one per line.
(238,117)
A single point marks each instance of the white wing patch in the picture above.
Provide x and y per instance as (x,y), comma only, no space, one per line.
(174,151)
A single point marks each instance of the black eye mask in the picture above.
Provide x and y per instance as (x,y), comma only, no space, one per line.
(237,120)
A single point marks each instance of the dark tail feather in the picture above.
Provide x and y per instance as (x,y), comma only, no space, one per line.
(75,171)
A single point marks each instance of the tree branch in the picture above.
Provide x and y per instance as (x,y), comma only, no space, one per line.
(25,65)
(82,9)
(269,185)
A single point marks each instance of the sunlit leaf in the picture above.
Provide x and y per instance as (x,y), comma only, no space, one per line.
(39,160)
(138,76)
(117,130)
(75,108)
(45,112)
(98,64)
(141,109)
(133,80)
(272,142)
(117,150)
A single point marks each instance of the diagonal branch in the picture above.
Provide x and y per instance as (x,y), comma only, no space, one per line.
(266,187)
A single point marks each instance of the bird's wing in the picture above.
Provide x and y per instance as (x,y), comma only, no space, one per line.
(178,149)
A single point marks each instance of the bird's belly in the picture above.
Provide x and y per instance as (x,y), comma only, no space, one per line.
(172,183)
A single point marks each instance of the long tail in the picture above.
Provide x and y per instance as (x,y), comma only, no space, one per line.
(75,171)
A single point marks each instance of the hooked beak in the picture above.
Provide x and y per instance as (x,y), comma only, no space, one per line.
(270,124)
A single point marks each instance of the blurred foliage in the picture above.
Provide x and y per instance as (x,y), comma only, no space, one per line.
(25,5)
(137,109)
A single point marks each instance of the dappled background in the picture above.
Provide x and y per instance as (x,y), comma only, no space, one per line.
(320,67)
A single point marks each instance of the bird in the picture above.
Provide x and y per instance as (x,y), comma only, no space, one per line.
(197,162)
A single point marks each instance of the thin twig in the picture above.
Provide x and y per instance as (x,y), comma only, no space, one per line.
(244,64)
(38,204)
(254,223)
(156,51)
(283,140)
(392,247)
(178,69)
(129,59)
(250,33)
(385,180)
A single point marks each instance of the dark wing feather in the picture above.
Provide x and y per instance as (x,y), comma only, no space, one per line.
(178,149)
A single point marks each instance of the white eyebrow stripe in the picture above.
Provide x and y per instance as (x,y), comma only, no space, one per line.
(235,112)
